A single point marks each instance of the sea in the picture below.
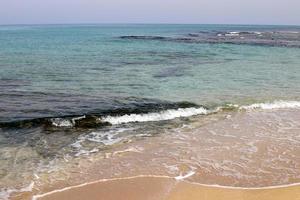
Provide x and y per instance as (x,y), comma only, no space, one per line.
(84,102)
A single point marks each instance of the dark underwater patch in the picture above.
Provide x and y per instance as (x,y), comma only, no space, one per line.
(263,38)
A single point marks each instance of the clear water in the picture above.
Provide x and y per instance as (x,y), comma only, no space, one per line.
(72,70)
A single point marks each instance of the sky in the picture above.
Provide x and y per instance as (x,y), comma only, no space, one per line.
(150,11)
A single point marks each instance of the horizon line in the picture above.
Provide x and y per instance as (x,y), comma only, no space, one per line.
(146,23)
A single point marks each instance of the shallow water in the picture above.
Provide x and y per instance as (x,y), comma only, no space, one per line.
(73,94)
(67,69)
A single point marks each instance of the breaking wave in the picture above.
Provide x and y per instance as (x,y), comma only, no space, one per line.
(142,113)
(134,112)
(273,105)
(160,116)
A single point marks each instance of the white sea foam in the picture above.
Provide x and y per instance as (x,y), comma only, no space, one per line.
(62,122)
(77,118)
(176,113)
(159,116)
(233,33)
(106,138)
(6,193)
(273,105)
(182,177)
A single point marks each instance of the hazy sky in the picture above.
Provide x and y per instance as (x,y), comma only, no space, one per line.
(150,11)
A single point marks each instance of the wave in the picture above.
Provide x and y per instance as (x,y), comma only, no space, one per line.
(142,113)
(133,112)
(92,121)
(160,116)
(272,105)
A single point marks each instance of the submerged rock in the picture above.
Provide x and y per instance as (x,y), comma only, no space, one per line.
(142,37)
(90,122)
(264,38)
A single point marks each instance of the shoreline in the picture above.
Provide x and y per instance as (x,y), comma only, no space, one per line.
(132,165)
(169,188)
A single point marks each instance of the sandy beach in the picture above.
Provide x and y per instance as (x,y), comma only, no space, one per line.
(163,188)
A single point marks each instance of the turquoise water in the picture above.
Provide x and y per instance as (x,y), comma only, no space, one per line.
(53,73)
(91,64)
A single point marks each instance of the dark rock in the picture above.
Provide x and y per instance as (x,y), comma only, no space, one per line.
(136,37)
(90,122)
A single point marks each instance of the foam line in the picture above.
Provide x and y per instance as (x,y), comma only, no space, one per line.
(159,116)
(36,197)
(191,173)
(273,105)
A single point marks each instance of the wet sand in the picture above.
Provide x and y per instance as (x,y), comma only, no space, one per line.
(164,188)
(258,149)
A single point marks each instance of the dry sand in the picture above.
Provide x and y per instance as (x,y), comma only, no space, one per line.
(163,188)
